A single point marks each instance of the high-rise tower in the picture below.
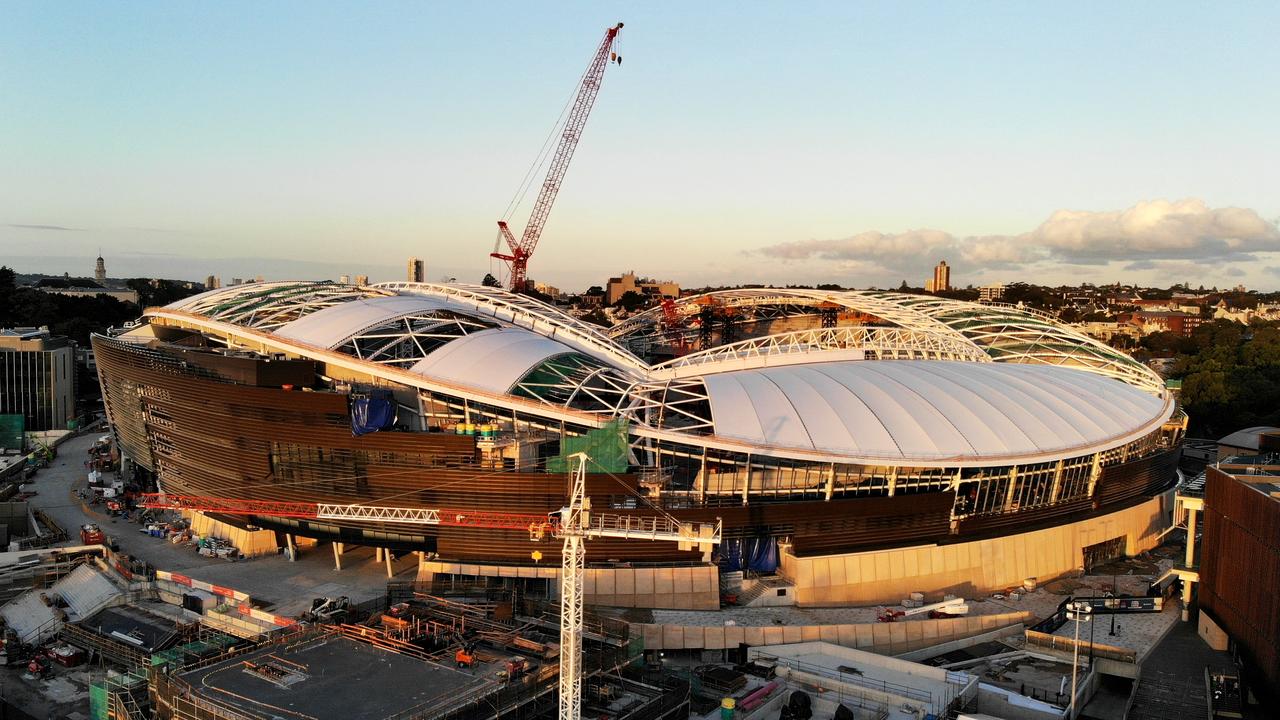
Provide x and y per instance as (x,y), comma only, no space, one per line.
(417,270)
(941,278)
(100,271)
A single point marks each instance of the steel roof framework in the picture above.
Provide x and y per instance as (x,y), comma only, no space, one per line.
(268,306)
(410,338)
(1002,332)
(597,378)
(801,346)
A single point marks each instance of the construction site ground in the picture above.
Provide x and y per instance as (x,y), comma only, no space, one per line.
(63,695)
(283,587)
(336,678)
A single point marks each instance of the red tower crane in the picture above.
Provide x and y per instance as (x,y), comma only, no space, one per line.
(518,259)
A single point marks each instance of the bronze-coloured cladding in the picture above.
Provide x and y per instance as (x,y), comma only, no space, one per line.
(206,436)
(1240,568)
(1121,485)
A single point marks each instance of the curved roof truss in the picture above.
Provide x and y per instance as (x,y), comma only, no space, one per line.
(1004,333)
(524,311)
(268,306)
(800,346)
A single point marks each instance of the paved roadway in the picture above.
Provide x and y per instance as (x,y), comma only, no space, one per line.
(286,587)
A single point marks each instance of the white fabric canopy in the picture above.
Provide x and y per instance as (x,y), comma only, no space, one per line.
(491,360)
(334,325)
(926,410)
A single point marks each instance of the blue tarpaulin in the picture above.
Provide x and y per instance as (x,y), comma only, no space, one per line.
(371,413)
(758,554)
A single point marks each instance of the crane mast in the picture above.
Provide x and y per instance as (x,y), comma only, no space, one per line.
(518,259)
(574,524)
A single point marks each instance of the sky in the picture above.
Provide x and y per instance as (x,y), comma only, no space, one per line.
(853,143)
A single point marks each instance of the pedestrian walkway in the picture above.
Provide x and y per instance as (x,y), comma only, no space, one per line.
(1172,683)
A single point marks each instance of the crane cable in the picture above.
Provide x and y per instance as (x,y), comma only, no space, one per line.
(541,159)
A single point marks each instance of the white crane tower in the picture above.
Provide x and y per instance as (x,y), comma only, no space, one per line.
(576,525)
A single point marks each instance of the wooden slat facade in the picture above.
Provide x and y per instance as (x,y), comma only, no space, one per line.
(1240,568)
(204,435)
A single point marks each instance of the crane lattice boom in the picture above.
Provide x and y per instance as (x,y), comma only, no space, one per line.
(574,524)
(521,249)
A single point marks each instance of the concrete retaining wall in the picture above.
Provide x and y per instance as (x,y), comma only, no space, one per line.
(695,587)
(970,569)
(883,638)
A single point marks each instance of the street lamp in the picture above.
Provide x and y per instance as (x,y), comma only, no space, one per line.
(1079,611)
(1115,593)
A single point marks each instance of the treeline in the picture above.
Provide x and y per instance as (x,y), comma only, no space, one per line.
(1230,376)
(77,317)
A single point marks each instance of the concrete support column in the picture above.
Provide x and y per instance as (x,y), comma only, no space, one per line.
(386,554)
(746,482)
(1191,538)
(831,482)
(1186,599)
(337,556)
(1057,483)
(1095,472)
(377,554)
(290,547)
(1012,493)
(702,479)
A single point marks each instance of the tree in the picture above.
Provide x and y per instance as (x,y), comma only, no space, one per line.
(490,281)
(597,317)
(631,301)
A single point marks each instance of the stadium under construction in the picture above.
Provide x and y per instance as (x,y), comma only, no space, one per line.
(860,445)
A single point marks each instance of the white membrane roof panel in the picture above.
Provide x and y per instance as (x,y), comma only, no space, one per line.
(927,410)
(330,327)
(491,360)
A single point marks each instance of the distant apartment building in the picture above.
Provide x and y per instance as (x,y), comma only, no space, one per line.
(991,293)
(344,279)
(548,290)
(237,281)
(213,282)
(37,377)
(1149,322)
(417,270)
(1108,331)
(628,282)
(362,280)
(941,281)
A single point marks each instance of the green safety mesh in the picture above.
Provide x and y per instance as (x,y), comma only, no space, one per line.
(99,703)
(11,429)
(606,449)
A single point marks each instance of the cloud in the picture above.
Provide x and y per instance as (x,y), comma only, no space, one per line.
(44,227)
(864,247)
(1144,236)
(1158,229)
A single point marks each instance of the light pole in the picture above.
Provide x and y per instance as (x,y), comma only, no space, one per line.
(1079,612)
(1115,592)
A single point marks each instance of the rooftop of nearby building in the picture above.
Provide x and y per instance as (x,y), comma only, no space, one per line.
(31,339)
(1259,472)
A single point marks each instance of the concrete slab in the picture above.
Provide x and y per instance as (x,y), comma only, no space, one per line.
(332,677)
